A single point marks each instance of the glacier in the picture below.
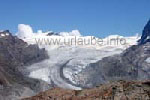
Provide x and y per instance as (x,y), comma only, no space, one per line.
(67,61)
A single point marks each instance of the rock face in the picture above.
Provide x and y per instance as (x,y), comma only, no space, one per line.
(14,54)
(121,90)
(146,34)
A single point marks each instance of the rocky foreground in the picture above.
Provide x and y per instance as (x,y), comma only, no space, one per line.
(121,90)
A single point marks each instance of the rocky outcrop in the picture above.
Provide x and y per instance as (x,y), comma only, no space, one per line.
(14,55)
(52,33)
(146,34)
(121,90)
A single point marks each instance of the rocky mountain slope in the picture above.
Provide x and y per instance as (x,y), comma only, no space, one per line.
(146,34)
(121,90)
(14,55)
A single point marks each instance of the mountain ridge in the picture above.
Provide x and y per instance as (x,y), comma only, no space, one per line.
(14,55)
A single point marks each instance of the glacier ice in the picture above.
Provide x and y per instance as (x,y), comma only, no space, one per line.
(65,62)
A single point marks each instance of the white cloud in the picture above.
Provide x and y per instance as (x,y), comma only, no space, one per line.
(39,31)
(73,33)
(24,31)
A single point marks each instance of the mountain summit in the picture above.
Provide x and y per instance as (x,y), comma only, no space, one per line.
(146,34)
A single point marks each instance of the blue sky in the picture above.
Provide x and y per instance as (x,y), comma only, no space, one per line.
(92,17)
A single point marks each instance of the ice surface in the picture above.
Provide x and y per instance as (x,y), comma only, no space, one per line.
(66,61)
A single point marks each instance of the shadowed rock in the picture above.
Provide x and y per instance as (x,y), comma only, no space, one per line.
(146,34)
(14,55)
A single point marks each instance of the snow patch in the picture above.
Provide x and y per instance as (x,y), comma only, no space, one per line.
(148,60)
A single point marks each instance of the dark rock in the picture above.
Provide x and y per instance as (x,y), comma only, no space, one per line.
(14,55)
(52,33)
(146,34)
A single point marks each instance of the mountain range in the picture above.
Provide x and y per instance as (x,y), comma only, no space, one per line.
(27,68)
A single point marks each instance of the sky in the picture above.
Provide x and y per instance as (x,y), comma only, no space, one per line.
(92,17)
